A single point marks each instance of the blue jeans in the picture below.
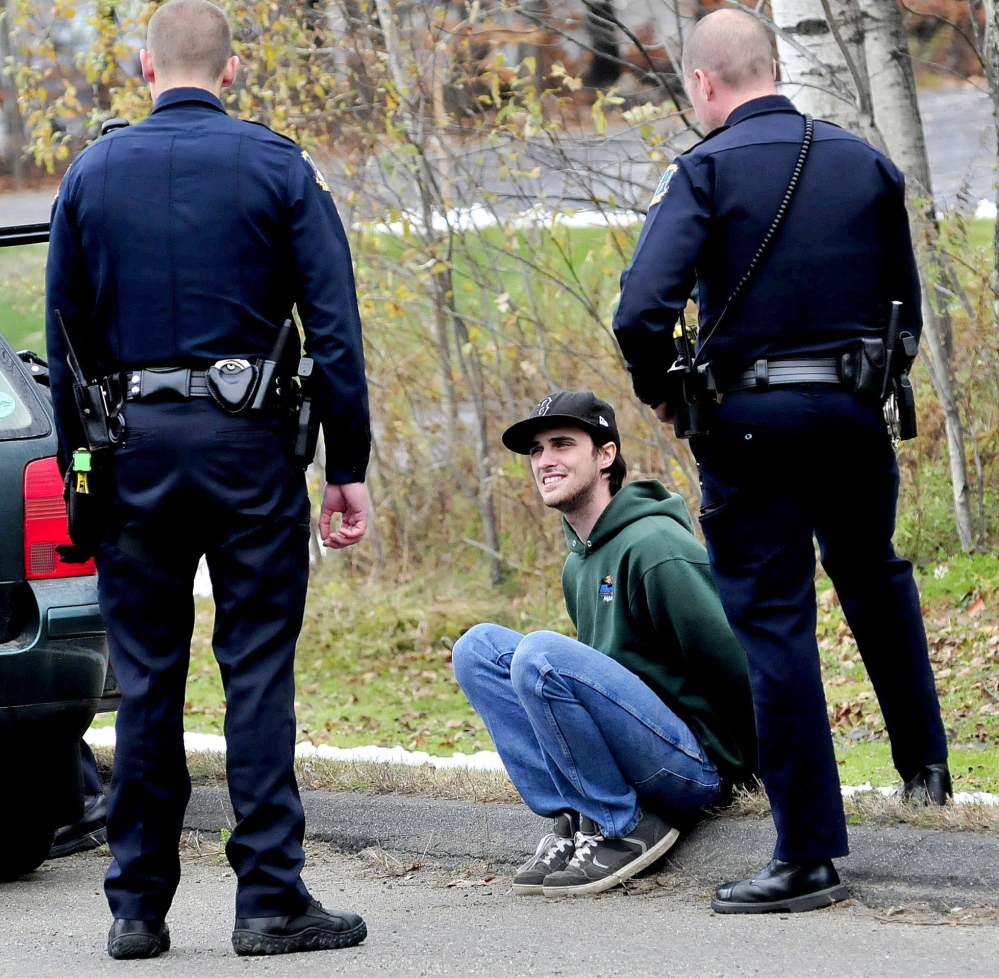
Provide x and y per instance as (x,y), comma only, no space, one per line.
(577,731)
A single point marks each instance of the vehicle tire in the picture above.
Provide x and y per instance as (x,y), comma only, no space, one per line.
(24,844)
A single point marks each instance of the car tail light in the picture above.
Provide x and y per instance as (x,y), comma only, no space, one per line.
(45,524)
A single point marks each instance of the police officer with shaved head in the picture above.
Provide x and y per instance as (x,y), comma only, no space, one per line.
(179,247)
(795,235)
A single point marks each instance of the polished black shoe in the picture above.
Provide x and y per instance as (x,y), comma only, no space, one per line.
(314,929)
(138,939)
(931,786)
(783,887)
(88,833)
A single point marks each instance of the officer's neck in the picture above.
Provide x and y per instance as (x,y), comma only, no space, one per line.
(159,87)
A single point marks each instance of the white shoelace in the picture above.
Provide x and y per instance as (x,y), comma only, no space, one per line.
(584,845)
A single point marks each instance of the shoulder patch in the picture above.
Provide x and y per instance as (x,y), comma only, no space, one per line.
(316,172)
(663,184)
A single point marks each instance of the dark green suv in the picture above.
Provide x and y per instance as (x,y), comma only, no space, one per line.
(53,652)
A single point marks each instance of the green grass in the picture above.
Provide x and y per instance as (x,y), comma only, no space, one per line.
(22,308)
(374,666)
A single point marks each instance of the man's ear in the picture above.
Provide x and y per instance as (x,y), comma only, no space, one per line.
(229,74)
(148,69)
(607,453)
(706,82)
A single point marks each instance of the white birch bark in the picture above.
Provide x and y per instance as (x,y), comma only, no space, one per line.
(824,90)
(865,50)
(893,94)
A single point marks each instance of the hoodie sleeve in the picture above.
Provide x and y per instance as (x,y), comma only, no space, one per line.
(713,688)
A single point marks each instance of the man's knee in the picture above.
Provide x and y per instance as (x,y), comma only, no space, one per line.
(475,646)
(532,658)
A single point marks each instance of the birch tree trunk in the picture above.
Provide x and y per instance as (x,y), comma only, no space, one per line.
(885,111)
(814,72)
(896,109)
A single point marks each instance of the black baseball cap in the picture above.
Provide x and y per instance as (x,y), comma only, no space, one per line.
(576,409)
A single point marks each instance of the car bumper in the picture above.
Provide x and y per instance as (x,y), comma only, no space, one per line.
(56,664)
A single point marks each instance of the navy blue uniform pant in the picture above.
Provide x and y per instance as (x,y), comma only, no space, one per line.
(191,480)
(781,467)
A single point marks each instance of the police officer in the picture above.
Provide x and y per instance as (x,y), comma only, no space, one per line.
(178,248)
(793,450)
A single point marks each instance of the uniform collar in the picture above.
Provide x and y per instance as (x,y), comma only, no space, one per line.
(177,96)
(760,106)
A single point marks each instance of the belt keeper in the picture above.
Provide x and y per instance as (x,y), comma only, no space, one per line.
(762,375)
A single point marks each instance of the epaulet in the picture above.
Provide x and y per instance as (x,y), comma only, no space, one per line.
(263,125)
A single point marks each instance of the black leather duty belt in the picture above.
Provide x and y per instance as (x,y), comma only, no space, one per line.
(765,374)
(165,383)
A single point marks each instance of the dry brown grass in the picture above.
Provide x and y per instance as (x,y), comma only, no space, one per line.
(873,808)
(462,784)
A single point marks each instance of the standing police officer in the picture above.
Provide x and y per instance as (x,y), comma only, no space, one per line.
(796,447)
(178,248)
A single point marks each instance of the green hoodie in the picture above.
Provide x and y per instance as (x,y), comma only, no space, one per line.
(640,591)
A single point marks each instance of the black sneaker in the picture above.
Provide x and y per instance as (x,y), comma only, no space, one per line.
(314,929)
(554,852)
(88,833)
(129,939)
(599,863)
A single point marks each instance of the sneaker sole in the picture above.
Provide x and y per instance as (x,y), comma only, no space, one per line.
(799,904)
(624,873)
(528,889)
(246,942)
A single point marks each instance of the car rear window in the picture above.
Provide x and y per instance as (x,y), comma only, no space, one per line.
(21,412)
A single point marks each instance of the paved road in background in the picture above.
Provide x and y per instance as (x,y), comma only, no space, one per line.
(55,922)
(960,138)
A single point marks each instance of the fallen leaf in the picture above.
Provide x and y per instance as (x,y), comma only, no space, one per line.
(465,884)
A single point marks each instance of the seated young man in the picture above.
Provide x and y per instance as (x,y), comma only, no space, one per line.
(628,732)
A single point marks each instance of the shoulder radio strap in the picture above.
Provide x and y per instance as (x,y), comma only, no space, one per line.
(754,265)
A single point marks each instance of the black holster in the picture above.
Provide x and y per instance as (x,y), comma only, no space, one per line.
(862,369)
(87,512)
(693,397)
(98,406)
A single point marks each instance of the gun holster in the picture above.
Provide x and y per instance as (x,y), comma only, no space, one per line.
(693,398)
(862,368)
(306,418)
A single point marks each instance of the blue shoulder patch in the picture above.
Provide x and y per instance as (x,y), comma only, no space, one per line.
(663,184)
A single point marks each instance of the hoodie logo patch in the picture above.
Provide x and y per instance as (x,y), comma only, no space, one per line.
(607,588)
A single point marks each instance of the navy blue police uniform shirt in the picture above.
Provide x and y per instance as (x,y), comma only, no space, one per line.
(842,255)
(187,238)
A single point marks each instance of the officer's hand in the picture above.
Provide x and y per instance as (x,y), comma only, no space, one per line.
(352,501)
(664,412)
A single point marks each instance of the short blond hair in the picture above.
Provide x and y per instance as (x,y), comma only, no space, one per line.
(731,44)
(189,37)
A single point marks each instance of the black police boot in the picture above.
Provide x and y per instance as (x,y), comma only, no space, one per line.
(88,833)
(314,929)
(786,887)
(931,786)
(138,939)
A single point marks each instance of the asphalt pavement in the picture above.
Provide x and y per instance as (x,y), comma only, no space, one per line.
(432,879)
